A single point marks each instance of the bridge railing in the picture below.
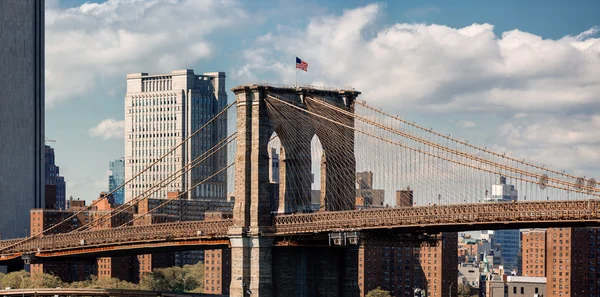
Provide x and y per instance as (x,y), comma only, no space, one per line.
(298,224)
(132,234)
(437,215)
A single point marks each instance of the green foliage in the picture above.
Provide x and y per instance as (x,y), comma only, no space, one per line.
(175,279)
(466,291)
(111,283)
(16,280)
(189,278)
(46,281)
(378,292)
(22,279)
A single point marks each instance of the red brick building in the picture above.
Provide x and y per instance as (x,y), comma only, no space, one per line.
(217,263)
(401,268)
(572,260)
(101,216)
(533,251)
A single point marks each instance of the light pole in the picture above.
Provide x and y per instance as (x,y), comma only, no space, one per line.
(183,278)
(22,285)
(450,290)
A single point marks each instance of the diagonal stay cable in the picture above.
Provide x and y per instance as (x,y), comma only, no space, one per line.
(125,183)
(455,151)
(485,150)
(199,160)
(419,150)
(177,198)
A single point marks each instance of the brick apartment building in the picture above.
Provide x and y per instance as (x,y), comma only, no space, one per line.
(132,268)
(79,270)
(572,260)
(402,268)
(217,263)
(533,252)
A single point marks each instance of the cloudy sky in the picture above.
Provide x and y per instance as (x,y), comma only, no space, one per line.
(523,77)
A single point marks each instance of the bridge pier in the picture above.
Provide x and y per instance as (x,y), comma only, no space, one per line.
(250,248)
(251,238)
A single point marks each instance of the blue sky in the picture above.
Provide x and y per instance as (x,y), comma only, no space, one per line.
(519,76)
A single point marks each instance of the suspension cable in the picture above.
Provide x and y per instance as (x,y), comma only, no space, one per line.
(176,198)
(456,152)
(128,181)
(415,149)
(485,150)
(199,160)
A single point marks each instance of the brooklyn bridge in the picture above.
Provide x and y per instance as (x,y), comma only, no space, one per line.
(447,182)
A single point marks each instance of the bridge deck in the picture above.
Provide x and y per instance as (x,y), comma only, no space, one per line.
(406,219)
(97,292)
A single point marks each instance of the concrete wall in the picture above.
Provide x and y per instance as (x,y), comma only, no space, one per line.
(527,287)
(21,113)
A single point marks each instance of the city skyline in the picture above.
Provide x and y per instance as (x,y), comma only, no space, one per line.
(505,107)
(323,176)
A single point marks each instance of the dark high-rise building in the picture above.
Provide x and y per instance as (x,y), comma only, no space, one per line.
(116,179)
(53,178)
(21,113)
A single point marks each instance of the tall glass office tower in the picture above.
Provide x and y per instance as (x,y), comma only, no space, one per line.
(116,179)
(21,114)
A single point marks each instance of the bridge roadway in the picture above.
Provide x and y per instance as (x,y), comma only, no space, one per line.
(418,219)
(97,293)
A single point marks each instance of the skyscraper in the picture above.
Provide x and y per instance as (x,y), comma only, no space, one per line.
(116,179)
(52,177)
(163,110)
(508,240)
(21,113)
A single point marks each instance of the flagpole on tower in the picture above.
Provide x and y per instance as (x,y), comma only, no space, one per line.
(296,70)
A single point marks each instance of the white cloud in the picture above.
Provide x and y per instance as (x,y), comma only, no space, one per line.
(467,124)
(567,142)
(434,67)
(95,45)
(109,129)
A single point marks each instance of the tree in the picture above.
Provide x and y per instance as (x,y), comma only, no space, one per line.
(378,292)
(22,279)
(105,283)
(45,280)
(466,291)
(16,280)
(195,276)
(175,279)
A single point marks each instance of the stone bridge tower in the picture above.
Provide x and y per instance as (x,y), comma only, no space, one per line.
(251,240)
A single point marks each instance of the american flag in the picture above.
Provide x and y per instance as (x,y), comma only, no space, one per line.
(301,64)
